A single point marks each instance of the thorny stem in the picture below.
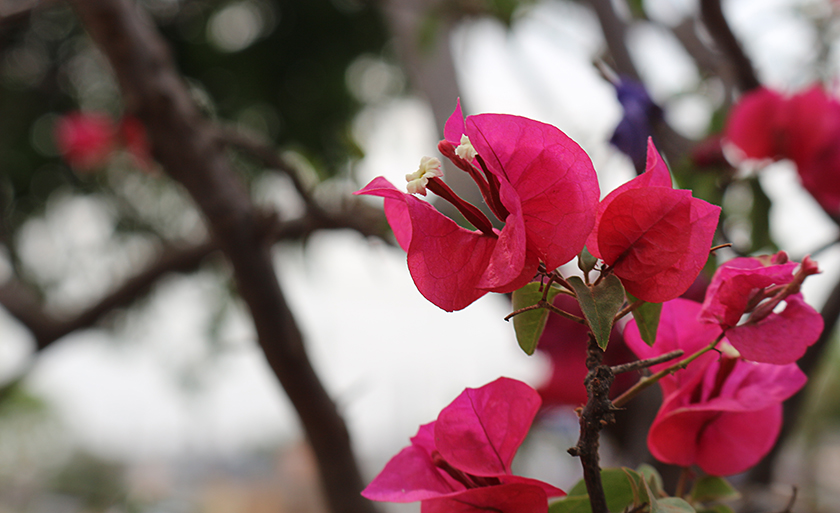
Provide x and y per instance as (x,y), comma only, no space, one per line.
(597,414)
(643,364)
(650,380)
(629,308)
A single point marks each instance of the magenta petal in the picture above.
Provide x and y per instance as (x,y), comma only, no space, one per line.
(672,437)
(734,285)
(780,337)
(506,498)
(510,256)
(454,127)
(446,261)
(550,491)
(734,421)
(410,475)
(656,175)
(553,179)
(675,279)
(480,431)
(395,208)
(744,438)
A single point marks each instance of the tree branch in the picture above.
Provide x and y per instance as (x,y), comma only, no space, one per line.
(188,147)
(715,21)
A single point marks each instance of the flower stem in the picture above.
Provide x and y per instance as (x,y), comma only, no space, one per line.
(650,380)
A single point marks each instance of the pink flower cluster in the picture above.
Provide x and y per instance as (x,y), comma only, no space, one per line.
(804,128)
(87,141)
(543,186)
(461,462)
(724,411)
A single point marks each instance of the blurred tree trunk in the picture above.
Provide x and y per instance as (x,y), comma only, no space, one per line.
(191,151)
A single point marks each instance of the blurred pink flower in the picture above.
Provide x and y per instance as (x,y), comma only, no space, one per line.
(804,128)
(85,140)
(461,462)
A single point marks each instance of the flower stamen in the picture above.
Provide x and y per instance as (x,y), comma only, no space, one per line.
(430,167)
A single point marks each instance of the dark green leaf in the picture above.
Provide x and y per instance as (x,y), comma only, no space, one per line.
(666,505)
(653,478)
(586,262)
(530,325)
(618,488)
(647,319)
(671,505)
(599,304)
(713,488)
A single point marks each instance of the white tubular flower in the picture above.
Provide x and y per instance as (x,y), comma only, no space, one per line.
(465,150)
(429,168)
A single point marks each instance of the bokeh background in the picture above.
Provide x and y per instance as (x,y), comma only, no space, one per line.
(163,402)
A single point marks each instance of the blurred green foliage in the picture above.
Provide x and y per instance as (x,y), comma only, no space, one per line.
(277,68)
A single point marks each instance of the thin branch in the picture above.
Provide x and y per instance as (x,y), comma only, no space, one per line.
(23,303)
(627,309)
(647,381)
(644,364)
(188,147)
(267,154)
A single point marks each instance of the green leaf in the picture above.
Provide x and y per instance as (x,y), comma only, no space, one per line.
(599,304)
(586,261)
(647,319)
(653,478)
(530,325)
(618,487)
(569,504)
(713,488)
(671,505)
(668,504)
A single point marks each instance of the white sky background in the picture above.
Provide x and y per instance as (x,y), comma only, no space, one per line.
(390,359)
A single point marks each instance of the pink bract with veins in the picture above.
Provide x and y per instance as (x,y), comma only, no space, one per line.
(461,462)
(655,237)
(532,176)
